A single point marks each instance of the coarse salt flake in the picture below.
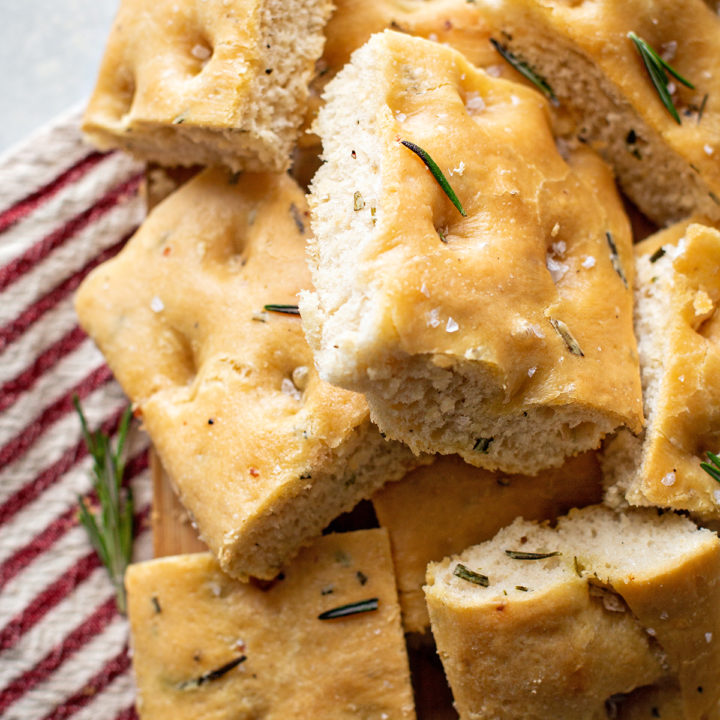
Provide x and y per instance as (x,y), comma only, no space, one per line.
(157,305)
(433,317)
(424,290)
(451,326)
(709,149)
(201,52)
(474,103)
(532,371)
(716,495)
(588,262)
(669,479)
(708,637)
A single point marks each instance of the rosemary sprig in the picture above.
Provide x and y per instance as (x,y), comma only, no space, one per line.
(657,254)
(437,173)
(111,528)
(519,555)
(713,467)
(658,71)
(284,309)
(211,675)
(526,71)
(464,572)
(351,609)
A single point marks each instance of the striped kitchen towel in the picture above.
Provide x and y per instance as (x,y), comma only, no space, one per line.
(64,208)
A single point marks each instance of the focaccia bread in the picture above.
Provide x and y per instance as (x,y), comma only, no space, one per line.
(678,330)
(209,647)
(667,166)
(504,336)
(263,453)
(209,82)
(569,617)
(443,508)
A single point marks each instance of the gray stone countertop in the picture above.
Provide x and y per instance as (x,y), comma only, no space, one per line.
(50,51)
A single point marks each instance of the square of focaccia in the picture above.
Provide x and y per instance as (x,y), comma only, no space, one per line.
(208,647)
(568,617)
(504,336)
(584,52)
(207,82)
(678,330)
(262,452)
(443,508)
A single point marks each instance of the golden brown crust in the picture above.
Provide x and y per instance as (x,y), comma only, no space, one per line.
(208,82)
(441,509)
(532,255)
(263,453)
(679,336)
(188,619)
(670,170)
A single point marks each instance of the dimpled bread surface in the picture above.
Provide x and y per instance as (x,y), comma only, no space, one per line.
(207,82)
(264,454)
(504,336)
(188,619)
(440,509)
(582,49)
(614,600)
(677,293)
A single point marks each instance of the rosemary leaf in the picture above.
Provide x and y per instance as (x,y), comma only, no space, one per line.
(615,258)
(464,572)
(482,445)
(564,332)
(658,70)
(110,529)
(701,110)
(657,254)
(284,309)
(526,71)
(437,173)
(351,609)
(519,555)
(713,467)
(212,675)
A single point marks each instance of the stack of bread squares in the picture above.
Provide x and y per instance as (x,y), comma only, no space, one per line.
(412,271)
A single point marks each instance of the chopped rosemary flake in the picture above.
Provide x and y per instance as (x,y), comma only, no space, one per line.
(437,173)
(521,588)
(526,71)
(714,197)
(576,566)
(464,572)
(713,467)
(212,675)
(564,332)
(297,217)
(442,235)
(615,258)
(361,577)
(657,254)
(351,609)
(110,529)
(284,309)
(156,604)
(520,555)
(483,444)
(234,178)
(701,110)
(658,71)
(358,202)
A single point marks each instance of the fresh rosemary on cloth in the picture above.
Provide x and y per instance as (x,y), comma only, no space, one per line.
(110,528)
(658,71)
(437,173)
